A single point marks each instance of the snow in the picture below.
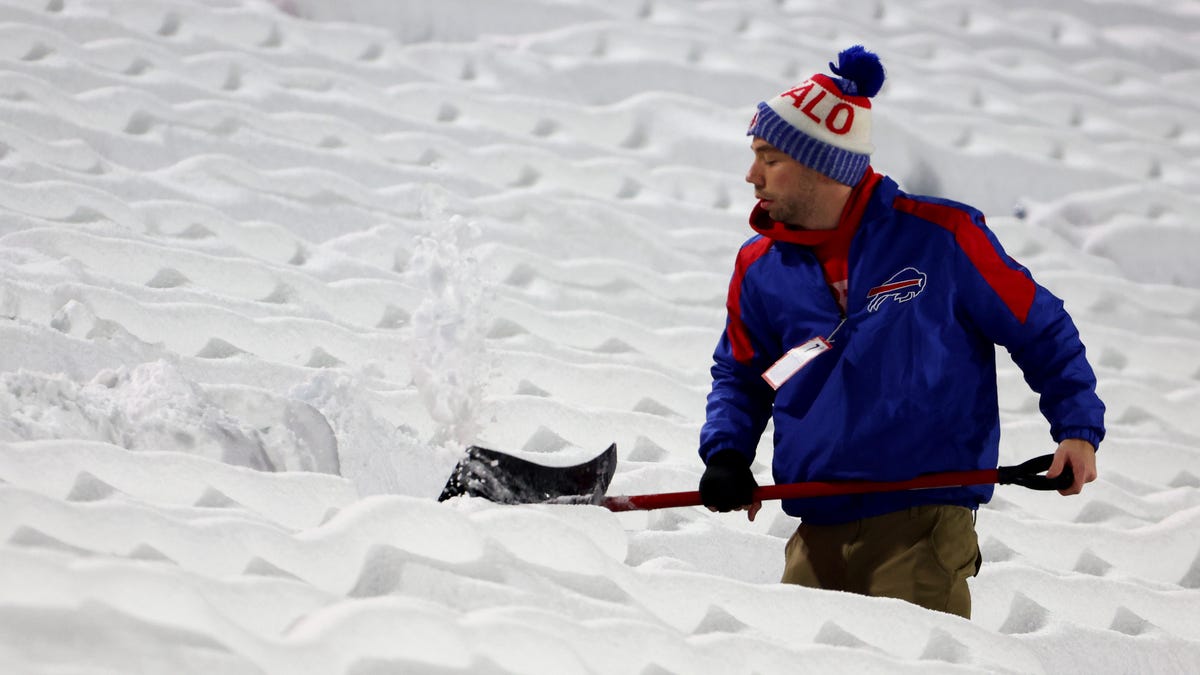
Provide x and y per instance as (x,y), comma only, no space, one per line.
(266,268)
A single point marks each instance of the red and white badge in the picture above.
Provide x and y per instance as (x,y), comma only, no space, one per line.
(791,363)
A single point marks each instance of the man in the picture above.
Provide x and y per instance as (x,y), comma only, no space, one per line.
(862,321)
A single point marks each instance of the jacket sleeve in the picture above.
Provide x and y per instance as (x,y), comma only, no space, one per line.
(1011,309)
(739,405)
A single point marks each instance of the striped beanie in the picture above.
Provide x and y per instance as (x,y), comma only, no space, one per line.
(825,122)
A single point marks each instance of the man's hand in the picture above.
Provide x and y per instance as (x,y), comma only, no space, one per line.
(728,484)
(1081,457)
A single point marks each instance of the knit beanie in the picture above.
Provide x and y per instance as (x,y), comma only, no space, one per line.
(824,122)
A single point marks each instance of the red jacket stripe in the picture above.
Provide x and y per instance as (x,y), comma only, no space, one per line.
(1013,287)
(739,337)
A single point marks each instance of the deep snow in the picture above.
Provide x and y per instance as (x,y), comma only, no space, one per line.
(266,268)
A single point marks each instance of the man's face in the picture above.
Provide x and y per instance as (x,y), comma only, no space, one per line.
(788,190)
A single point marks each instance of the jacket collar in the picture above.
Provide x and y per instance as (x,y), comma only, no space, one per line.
(848,222)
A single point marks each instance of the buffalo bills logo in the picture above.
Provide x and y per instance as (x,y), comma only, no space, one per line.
(902,287)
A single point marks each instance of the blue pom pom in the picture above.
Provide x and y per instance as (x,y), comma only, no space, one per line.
(861,72)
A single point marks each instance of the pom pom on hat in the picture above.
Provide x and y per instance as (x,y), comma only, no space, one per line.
(825,123)
(861,72)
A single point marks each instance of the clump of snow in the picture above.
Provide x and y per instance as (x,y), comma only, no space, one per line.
(154,407)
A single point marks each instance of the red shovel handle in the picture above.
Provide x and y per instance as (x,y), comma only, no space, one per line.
(1025,474)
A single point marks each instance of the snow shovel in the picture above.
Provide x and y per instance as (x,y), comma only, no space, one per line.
(506,479)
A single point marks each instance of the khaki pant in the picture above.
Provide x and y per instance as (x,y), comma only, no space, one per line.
(923,555)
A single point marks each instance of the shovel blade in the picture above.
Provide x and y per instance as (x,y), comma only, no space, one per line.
(505,479)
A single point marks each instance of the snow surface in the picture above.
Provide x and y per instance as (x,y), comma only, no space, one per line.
(267,268)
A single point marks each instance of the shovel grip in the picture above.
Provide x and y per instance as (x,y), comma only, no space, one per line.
(1027,474)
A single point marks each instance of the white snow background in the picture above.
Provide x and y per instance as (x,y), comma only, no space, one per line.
(267,268)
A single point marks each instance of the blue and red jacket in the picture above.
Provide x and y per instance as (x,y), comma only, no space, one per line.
(909,384)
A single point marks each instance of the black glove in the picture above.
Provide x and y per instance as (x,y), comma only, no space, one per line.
(727,483)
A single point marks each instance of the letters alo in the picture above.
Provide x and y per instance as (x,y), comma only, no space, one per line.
(838,119)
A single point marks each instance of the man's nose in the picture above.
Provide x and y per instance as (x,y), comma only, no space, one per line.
(754,176)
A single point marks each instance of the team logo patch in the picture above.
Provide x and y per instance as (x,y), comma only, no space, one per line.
(902,287)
